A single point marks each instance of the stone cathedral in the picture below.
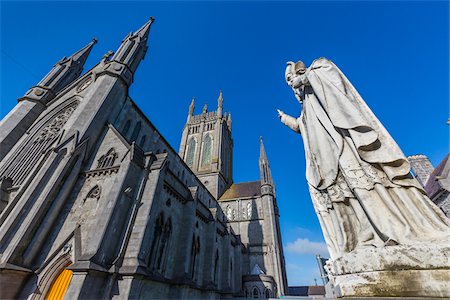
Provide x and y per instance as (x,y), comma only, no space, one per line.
(95,204)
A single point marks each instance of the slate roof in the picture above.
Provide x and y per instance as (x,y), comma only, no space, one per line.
(242,190)
(437,180)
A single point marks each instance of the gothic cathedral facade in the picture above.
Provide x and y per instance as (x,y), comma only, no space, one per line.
(95,204)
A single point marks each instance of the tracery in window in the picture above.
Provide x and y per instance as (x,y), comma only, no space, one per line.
(157,235)
(36,146)
(107,160)
(190,152)
(206,155)
(164,247)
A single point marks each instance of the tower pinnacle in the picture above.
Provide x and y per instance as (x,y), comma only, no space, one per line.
(63,72)
(220,104)
(264,168)
(134,47)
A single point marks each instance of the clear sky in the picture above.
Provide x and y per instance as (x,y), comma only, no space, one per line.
(395,54)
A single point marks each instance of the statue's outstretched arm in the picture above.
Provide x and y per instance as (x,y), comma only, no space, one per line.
(289,121)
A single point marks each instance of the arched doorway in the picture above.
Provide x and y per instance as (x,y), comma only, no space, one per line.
(59,286)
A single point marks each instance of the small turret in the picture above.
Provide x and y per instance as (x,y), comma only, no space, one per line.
(62,74)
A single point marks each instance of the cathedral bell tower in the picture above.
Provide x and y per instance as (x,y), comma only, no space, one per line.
(207,146)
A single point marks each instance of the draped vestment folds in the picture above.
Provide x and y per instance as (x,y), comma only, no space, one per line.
(359,179)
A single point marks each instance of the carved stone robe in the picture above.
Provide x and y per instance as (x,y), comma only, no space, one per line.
(359,179)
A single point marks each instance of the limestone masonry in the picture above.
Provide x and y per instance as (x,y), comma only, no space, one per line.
(95,204)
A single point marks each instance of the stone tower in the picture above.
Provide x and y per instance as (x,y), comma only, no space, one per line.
(206,147)
(34,102)
(271,225)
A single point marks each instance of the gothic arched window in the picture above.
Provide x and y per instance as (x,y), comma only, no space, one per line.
(142,142)
(44,135)
(255,292)
(190,152)
(126,127)
(89,206)
(195,249)
(206,155)
(156,240)
(164,246)
(107,160)
(267,293)
(216,267)
(230,274)
(136,131)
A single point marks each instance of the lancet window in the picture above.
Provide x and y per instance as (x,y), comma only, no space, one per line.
(136,130)
(206,155)
(190,152)
(195,250)
(216,267)
(164,247)
(255,292)
(36,147)
(126,128)
(142,142)
(107,160)
(160,245)
(157,235)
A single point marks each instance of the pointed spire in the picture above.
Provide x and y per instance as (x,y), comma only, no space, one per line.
(262,150)
(191,110)
(205,109)
(191,107)
(220,104)
(264,168)
(63,73)
(81,55)
(229,121)
(133,47)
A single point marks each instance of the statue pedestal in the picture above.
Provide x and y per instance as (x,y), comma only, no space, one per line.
(416,270)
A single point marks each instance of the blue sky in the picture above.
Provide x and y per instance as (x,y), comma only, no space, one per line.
(395,53)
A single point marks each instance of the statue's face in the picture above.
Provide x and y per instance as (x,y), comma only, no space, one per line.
(294,81)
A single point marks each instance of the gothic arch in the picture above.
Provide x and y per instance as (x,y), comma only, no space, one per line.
(190,151)
(51,275)
(126,128)
(206,150)
(157,236)
(216,268)
(107,160)
(136,131)
(95,192)
(255,292)
(164,246)
(36,145)
(142,142)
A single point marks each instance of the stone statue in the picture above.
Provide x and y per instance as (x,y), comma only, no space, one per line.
(359,179)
